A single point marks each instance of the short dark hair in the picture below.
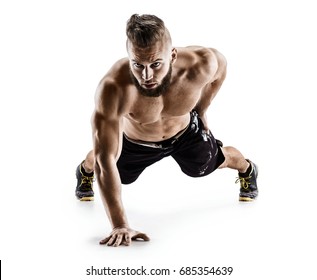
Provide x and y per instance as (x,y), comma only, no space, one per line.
(145,30)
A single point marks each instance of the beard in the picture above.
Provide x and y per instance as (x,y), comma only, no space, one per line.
(155,92)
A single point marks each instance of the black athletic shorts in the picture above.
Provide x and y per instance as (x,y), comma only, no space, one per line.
(196,151)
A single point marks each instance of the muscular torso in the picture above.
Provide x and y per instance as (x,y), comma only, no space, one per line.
(158,118)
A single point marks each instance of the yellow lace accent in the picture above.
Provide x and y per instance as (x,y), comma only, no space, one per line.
(244,182)
(87,180)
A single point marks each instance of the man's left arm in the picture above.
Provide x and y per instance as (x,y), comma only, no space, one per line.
(210,90)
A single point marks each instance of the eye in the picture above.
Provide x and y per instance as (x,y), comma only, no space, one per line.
(156,64)
(137,65)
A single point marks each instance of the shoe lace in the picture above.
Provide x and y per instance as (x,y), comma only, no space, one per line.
(86,182)
(244,182)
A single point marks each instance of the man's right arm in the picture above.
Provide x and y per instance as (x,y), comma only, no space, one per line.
(107,139)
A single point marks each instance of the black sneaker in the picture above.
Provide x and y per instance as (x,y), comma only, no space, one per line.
(84,191)
(248,186)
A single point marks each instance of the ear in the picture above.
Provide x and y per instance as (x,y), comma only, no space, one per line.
(174,55)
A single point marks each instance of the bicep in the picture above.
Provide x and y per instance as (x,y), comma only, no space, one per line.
(216,76)
(107,121)
(107,136)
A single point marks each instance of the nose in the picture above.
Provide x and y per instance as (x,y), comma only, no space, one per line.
(147,74)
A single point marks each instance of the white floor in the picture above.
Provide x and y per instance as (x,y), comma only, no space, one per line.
(53,57)
(191,222)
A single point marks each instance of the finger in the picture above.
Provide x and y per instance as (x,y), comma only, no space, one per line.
(104,241)
(111,240)
(127,239)
(118,240)
(141,236)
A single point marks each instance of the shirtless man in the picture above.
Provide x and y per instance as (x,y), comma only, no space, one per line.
(149,106)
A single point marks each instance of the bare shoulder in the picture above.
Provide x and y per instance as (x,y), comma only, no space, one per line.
(221,63)
(206,61)
(109,97)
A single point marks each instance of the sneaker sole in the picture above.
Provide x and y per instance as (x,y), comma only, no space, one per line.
(246,199)
(87,198)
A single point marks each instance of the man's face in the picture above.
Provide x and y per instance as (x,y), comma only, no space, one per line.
(151,68)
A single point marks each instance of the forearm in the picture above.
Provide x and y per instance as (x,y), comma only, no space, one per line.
(110,189)
(209,93)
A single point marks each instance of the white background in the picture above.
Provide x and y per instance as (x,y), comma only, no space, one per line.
(53,54)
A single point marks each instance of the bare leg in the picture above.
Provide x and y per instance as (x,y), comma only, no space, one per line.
(234,159)
(88,163)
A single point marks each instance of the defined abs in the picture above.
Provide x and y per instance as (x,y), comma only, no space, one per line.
(162,129)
